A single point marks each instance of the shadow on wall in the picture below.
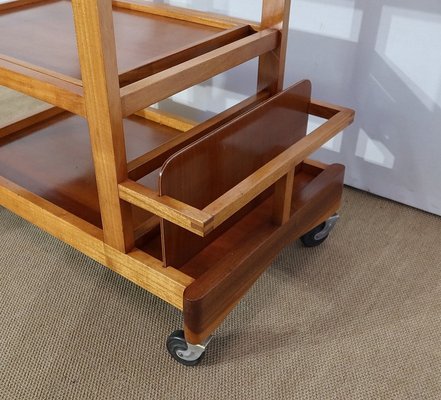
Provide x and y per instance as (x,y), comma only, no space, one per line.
(380,57)
(385,63)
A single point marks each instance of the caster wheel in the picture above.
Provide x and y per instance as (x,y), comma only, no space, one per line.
(183,352)
(309,239)
(320,233)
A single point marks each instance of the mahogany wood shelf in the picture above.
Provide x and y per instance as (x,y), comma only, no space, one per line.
(193,213)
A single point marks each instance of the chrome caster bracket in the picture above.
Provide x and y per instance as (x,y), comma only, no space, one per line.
(193,351)
(329,225)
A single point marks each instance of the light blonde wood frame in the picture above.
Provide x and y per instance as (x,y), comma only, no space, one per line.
(100,98)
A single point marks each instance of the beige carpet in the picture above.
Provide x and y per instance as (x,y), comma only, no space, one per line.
(357,318)
(14,105)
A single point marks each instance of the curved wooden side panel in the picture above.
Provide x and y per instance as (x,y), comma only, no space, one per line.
(203,171)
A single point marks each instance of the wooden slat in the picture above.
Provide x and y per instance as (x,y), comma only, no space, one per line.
(9,5)
(97,51)
(322,109)
(153,160)
(275,14)
(236,198)
(166,83)
(48,88)
(178,56)
(140,268)
(172,210)
(282,199)
(33,118)
(42,70)
(184,14)
(164,118)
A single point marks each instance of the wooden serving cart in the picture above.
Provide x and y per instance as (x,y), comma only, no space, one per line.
(193,213)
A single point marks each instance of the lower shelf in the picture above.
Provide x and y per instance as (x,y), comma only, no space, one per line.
(257,225)
(228,267)
(53,160)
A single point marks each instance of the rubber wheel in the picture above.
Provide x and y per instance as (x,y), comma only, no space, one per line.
(308,239)
(175,343)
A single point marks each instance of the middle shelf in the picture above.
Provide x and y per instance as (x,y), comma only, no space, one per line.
(53,159)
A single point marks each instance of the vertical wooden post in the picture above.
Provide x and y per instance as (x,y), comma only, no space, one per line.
(275,13)
(283,198)
(97,53)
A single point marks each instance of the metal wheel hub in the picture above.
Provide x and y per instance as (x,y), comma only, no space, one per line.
(193,351)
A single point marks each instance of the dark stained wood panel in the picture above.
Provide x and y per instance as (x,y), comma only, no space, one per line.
(230,265)
(43,34)
(53,159)
(205,170)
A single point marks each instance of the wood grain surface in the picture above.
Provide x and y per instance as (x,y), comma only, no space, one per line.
(204,171)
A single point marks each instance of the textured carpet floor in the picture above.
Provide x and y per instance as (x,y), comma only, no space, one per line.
(357,318)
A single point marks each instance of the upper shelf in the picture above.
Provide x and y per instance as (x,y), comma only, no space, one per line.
(43,34)
(155,43)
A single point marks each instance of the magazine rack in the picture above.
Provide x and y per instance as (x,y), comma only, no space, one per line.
(193,213)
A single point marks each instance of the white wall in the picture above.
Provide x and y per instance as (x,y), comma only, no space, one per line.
(380,57)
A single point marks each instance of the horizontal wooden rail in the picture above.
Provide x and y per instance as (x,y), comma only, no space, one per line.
(150,90)
(232,201)
(184,14)
(172,210)
(9,5)
(324,110)
(63,92)
(42,114)
(186,53)
(167,119)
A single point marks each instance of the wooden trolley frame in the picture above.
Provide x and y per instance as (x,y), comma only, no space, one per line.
(134,218)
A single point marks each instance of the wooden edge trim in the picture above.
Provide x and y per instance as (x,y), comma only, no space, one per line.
(185,53)
(164,84)
(137,266)
(50,89)
(9,5)
(41,70)
(149,273)
(323,109)
(29,120)
(154,159)
(184,14)
(172,210)
(240,195)
(164,118)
